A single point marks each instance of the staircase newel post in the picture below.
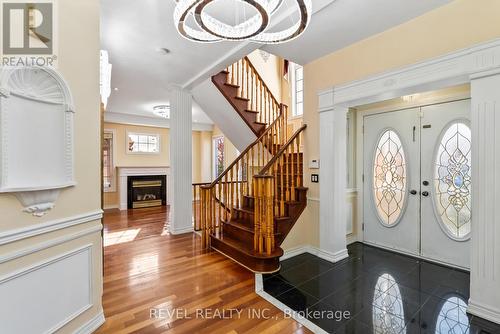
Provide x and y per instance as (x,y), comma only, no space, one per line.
(203,218)
(257,207)
(269,214)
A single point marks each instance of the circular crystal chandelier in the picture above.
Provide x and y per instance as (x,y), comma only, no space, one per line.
(210,29)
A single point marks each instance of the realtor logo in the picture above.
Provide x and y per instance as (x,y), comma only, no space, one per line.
(28,33)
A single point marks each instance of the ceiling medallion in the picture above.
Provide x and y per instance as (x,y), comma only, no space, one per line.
(210,29)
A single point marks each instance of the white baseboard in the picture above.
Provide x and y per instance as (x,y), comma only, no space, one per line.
(482,311)
(328,256)
(111,207)
(182,231)
(259,289)
(92,325)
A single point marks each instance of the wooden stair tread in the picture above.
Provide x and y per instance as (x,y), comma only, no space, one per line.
(241,98)
(231,85)
(247,249)
(238,223)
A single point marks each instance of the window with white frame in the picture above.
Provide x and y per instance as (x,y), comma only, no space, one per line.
(143,143)
(108,173)
(297,89)
(218,156)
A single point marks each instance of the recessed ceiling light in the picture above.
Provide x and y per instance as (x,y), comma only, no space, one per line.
(162,110)
(116,89)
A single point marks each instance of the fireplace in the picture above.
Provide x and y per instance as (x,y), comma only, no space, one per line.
(146,191)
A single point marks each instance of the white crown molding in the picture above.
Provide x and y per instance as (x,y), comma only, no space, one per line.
(451,69)
(121,118)
(48,227)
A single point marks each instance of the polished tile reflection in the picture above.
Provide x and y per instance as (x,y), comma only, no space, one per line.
(383,292)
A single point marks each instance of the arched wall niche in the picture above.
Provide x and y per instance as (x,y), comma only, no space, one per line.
(36,136)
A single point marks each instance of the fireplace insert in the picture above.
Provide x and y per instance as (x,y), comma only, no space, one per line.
(146,191)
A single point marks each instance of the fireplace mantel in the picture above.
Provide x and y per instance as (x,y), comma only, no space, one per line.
(125,171)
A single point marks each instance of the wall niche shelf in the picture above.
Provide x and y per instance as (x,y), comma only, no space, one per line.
(36,136)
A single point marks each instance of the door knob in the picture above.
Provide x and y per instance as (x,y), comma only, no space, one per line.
(413,192)
(425,183)
(425,193)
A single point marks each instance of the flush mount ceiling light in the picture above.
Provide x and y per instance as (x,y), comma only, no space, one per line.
(255,28)
(162,110)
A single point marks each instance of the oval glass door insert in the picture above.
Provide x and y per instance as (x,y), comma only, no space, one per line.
(452,182)
(389,178)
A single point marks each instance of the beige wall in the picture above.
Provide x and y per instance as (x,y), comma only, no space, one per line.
(78,56)
(455,26)
(269,70)
(202,141)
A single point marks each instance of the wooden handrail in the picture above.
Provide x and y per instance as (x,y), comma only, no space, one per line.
(252,87)
(257,141)
(282,150)
(263,81)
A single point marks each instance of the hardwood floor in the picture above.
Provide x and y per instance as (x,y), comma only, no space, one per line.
(147,270)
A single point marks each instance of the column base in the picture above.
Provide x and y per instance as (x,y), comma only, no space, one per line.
(483,311)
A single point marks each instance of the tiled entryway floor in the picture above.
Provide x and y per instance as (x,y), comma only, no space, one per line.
(384,292)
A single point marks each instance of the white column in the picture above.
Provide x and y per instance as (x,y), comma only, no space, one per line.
(333,179)
(485,258)
(181,161)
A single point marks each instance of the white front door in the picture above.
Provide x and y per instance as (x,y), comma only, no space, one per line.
(446,182)
(391,147)
(417,181)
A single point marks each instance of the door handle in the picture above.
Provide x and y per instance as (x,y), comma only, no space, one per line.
(425,193)
(413,192)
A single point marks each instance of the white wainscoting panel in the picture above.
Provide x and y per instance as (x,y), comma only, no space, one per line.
(44,297)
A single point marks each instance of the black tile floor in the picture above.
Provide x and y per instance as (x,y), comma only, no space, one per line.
(383,292)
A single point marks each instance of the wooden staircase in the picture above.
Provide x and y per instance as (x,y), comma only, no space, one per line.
(248,211)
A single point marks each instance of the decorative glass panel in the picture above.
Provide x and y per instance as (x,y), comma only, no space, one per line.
(388,310)
(453,180)
(389,178)
(453,317)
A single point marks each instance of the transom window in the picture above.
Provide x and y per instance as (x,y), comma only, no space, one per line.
(143,143)
(297,90)
(453,180)
(389,178)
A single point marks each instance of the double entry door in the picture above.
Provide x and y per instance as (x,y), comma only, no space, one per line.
(417,181)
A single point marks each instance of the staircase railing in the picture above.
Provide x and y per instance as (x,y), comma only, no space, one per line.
(218,199)
(274,185)
(252,87)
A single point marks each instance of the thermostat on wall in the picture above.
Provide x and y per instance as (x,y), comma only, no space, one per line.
(314,164)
